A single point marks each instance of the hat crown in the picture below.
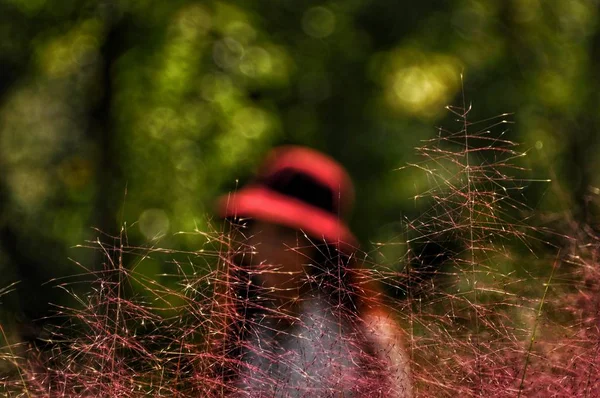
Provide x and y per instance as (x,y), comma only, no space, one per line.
(299,188)
(309,176)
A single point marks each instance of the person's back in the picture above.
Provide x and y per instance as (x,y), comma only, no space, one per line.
(313,356)
(302,328)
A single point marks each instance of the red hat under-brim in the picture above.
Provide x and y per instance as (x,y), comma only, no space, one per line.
(261,203)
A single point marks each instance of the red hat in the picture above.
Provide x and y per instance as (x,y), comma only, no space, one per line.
(299,188)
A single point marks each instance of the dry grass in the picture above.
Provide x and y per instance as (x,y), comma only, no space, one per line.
(493,309)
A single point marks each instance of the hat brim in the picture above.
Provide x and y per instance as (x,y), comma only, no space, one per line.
(267,205)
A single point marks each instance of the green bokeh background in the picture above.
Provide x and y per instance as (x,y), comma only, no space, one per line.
(141,112)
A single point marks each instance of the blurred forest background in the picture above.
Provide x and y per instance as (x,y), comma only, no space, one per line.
(141,112)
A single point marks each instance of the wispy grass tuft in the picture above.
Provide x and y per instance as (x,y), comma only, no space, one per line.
(487,311)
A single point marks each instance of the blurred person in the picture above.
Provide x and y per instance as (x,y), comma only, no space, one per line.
(304,320)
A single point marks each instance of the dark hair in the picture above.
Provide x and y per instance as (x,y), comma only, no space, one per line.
(301,186)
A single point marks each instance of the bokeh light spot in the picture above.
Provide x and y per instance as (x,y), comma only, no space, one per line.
(227,53)
(193,20)
(154,223)
(539,145)
(160,122)
(555,88)
(318,22)
(252,122)
(241,31)
(29,187)
(65,55)
(216,86)
(256,62)
(418,83)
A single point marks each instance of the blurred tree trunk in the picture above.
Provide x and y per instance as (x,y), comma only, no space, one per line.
(109,181)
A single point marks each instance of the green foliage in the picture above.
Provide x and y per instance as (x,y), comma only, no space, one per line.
(143,112)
